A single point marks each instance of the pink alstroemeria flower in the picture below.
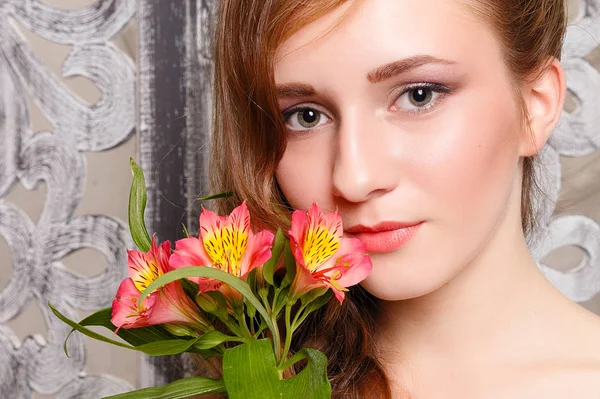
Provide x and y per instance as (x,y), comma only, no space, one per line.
(225,243)
(324,258)
(168,304)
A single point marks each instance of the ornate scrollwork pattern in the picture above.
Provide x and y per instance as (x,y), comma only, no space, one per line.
(577,134)
(55,158)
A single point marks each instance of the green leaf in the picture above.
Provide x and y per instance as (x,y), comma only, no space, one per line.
(181,389)
(134,336)
(215,196)
(212,339)
(250,310)
(251,280)
(85,331)
(190,288)
(269,266)
(213,302)
(290,266)
(137,206)
(319,302)
(312,381)
(250,372)
(169,347)
(186,234)
(203,271)
(154,341)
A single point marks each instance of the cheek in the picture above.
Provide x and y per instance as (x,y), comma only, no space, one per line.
(470,170)
(305,171)
(464,173)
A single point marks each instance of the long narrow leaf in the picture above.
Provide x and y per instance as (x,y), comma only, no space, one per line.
(290,265)
(212,339)
(137,206)
(215,196)
(180,389)
(85,331)
(269,266)
(169,347)
(133,336)
(203,271)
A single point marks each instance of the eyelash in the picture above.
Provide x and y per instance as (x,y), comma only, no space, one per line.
(440,89)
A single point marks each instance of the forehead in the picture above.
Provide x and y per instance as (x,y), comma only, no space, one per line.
(381,31)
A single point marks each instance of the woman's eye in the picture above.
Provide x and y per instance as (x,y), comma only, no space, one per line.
(304,118)
(419,98)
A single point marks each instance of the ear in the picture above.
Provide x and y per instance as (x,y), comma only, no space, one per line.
(544,99)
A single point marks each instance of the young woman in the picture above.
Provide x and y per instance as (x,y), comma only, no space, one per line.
(420,122)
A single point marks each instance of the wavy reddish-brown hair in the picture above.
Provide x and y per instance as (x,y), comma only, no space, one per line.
(249,139)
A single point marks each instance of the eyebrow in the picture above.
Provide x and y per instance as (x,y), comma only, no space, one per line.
(399,67)
(384,72)
(295,90)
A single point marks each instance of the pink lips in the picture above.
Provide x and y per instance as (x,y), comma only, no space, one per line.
(386,236)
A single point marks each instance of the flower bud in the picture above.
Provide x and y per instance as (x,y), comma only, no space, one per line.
(213,303)
(313,294)
(180,330)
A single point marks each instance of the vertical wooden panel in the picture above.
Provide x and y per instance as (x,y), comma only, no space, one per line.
(174,76)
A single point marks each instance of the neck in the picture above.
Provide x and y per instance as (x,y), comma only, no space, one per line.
(478,316)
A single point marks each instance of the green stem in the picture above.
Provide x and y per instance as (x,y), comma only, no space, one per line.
(288,334)
(276,338)
(275,333)
(295,323)
(291,361)
(259,331)
(300,317)
(244,325)
(275,297)
(265,300)
(252,324)
(234,328)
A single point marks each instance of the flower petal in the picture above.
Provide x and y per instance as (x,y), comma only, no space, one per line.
(322,238)
(190,252)
(353,268)
(298,227)
(332,221)
(304,282)
(258,251)
(174,306)
(211,226)
(143,269)
(161,253)
(235,236)
(125,312)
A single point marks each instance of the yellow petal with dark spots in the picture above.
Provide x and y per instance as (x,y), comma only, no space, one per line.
(319,245)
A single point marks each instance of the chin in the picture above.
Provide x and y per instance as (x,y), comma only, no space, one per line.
(402,286)
(391,290)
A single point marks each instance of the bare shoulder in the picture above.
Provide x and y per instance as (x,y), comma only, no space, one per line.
(570,381)
(568,366)
(560,380)
(574,370)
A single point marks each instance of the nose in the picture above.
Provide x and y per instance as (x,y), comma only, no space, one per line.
(363,166)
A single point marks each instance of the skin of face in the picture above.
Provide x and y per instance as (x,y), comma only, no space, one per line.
(451,160)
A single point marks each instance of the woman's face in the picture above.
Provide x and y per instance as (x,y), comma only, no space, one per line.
(402,115)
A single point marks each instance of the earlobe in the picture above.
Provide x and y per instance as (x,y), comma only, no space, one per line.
(544,99)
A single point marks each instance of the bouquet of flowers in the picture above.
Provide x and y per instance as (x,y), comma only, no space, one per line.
(231,293)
